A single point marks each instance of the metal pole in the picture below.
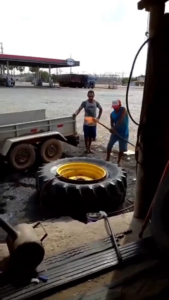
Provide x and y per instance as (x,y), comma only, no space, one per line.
(2,50)
(7,65)
(70,67)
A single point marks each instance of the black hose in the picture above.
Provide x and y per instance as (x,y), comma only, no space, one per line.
(128,84)
(127,102)
(127,91)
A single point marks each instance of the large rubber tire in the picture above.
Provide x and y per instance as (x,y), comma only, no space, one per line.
(57,146)
(160,218)
(17,163)
(69,199)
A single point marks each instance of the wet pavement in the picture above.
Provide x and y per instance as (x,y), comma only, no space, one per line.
(18,201)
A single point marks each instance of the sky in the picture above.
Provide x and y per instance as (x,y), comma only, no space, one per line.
(103,35)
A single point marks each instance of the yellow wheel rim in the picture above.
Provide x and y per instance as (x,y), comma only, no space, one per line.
(81,171)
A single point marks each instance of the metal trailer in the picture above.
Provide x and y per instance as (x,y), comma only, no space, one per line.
(24,135)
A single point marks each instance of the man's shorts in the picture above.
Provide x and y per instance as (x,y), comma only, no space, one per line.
(123,145)
(89,132)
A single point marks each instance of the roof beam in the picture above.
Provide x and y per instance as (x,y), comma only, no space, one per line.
(145,4)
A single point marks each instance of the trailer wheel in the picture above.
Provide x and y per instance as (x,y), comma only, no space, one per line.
(51,150)
(22,157)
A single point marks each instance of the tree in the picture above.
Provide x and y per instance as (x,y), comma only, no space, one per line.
(125,81)
(55,78)
(11,68)
(20,69)
(44,76)
(34,69)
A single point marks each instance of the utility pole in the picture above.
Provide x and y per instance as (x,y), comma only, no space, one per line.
(1,49)
(70,67)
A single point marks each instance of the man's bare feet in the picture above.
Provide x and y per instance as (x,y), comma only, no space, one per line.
(91,152)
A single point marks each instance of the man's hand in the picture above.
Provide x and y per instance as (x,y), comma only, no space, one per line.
(74,116)
(95,120)
(112,130)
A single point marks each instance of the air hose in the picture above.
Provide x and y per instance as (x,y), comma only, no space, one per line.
(103,215)
(93,217)
(127,102)
(129,81)
(127,93)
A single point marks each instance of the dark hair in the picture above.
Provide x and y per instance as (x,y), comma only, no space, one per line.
(90,92)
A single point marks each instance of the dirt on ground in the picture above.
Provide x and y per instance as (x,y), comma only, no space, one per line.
(18,190)
(18,193)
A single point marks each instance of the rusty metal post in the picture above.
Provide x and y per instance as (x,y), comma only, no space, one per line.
(154,125)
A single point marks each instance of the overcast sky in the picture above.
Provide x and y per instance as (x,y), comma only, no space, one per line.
(104,35)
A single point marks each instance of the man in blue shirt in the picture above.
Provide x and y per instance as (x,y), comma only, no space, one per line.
(119,122)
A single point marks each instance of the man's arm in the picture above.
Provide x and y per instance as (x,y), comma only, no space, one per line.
(111,121)
(100,110)
(79,109)
(123,114)
(111,124)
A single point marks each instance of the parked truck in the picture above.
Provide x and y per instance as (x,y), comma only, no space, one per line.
(23,135)
(76,80)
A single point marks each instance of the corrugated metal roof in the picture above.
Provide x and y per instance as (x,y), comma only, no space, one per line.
(34,61)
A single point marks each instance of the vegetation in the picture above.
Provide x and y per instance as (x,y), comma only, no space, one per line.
(44,75)
(34,70)
(126,79)
(20,68)
(54,78)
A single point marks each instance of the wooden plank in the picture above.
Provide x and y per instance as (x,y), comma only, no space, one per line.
(78,269)
(114,289)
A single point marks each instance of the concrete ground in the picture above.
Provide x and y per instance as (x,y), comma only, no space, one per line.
(64,101)
(17,201)
(63,236)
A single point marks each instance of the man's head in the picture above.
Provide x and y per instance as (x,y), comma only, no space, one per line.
(116,104)
(90,95)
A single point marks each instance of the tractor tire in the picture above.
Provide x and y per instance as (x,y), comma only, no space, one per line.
(159,219)
(79,198)
(22,157)
(51,150)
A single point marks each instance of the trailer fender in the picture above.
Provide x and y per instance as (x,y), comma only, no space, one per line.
(29,139)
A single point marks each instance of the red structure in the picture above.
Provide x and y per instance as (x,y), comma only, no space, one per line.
(29,61)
